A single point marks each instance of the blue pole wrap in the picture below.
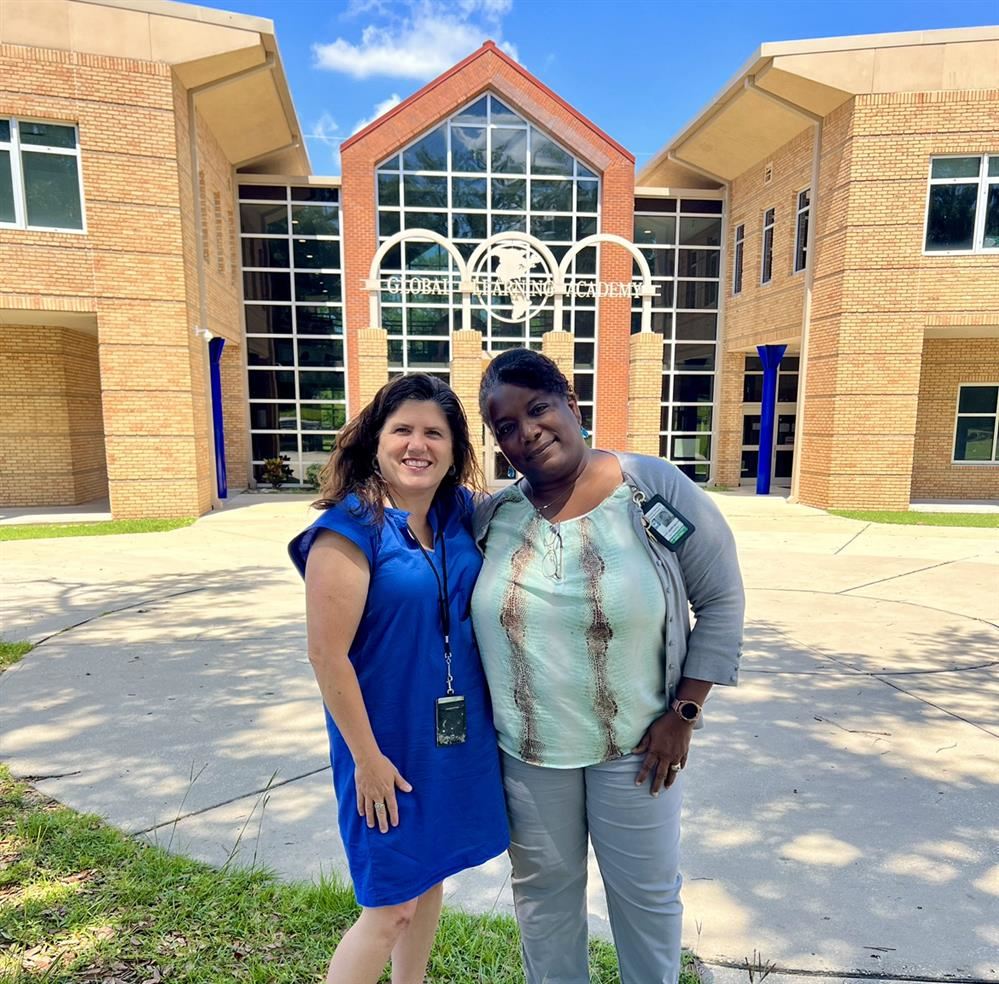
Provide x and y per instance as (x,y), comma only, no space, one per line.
(215,347)
(770,356)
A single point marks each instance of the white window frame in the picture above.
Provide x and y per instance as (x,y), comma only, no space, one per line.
(767,227)
(801,245)
(297,458)
(738,258)
(994,461)
(14,147)
(984,182)
(580,172)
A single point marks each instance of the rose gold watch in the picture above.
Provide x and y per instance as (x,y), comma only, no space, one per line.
(689,710)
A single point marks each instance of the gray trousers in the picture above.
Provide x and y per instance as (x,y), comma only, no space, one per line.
(636,839)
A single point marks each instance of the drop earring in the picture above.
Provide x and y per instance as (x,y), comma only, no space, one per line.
(586,434)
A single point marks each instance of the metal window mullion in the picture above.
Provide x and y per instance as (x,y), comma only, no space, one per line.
(17,180)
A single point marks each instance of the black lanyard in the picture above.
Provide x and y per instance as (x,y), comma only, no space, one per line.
(443,602)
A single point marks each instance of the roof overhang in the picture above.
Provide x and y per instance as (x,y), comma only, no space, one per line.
(231,60)
(785,85)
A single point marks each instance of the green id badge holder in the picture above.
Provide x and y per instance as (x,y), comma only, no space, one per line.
(665,523)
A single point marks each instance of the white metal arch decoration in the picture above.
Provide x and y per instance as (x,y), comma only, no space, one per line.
(531,242)
(557,270)
(373,286)
(648,290)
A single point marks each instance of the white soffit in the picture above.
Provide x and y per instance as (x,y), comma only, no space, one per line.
(741,134)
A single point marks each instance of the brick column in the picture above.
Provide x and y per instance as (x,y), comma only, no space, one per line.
(558,346)
(467,366)
(645,383)
(372,363)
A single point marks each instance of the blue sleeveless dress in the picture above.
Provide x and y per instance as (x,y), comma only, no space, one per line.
(455,817)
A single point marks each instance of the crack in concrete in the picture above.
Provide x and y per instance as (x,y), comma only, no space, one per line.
(887,601)
(232,799)
(868,975)
(114,611)
(852,538)
(895,577)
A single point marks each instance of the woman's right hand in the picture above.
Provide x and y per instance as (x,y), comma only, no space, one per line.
(376,782)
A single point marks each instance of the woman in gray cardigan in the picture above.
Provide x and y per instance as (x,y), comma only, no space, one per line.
(593,561)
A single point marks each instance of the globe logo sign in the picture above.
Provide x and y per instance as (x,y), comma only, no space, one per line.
(512,280)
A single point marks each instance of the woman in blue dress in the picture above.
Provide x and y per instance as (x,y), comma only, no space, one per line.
(389,569)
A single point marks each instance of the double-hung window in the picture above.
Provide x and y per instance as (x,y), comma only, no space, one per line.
(976,434)
(962,211)
(740,247)
(801,229)
(767,250)
(40,186)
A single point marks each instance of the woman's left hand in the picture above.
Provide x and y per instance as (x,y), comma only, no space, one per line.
(665,745)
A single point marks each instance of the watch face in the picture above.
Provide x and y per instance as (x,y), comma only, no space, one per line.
(688,712)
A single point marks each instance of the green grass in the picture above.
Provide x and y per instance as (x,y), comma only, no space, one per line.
(984,520)
(11,652)
(80,901)
(45,531)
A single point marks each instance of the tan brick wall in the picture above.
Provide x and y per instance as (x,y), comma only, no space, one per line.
(135,267)
(874,295)
(430,106)
(946,364)
(51,430)
(875,291)
(645,392)
(466,374)
(760,314)
(371,353)
(558,346)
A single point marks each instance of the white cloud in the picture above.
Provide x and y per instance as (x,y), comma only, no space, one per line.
(383,107)
(324,131)
(424,39)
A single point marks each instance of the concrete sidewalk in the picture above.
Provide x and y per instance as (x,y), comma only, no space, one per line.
(841,806)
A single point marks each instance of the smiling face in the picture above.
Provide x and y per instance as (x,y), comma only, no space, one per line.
(537,431)
(415,448)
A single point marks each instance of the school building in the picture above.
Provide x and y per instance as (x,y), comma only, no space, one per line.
(801,289)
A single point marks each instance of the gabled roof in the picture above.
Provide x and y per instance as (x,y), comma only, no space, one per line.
(481,59)
(785,85)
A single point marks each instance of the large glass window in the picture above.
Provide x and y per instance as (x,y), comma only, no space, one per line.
(40,185)
(767,247)
(483,171)
(290,240)
(962,211)
(738,258)
(801,229)
(681,239)
(976,434)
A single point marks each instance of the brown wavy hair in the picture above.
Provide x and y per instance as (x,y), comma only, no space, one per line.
(351,467)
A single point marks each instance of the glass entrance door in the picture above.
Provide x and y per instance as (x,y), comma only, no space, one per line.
(787,396)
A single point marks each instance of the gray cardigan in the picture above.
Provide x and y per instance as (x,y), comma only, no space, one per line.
(703,574)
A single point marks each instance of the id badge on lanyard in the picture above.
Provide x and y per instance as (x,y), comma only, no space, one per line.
(664,523)
(449,710)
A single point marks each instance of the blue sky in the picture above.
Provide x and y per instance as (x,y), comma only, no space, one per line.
(640,69)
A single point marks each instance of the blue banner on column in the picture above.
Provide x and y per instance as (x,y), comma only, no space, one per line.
(215,347)
(770,356)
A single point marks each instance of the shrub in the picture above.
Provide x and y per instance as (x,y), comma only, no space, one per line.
(277,471)
(312,475)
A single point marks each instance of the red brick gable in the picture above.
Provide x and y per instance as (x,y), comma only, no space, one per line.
(484,69)
(489,70)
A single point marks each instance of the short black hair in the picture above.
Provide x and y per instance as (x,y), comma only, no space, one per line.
(525,368)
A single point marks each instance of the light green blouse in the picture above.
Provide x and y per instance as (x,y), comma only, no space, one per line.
(570,620)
